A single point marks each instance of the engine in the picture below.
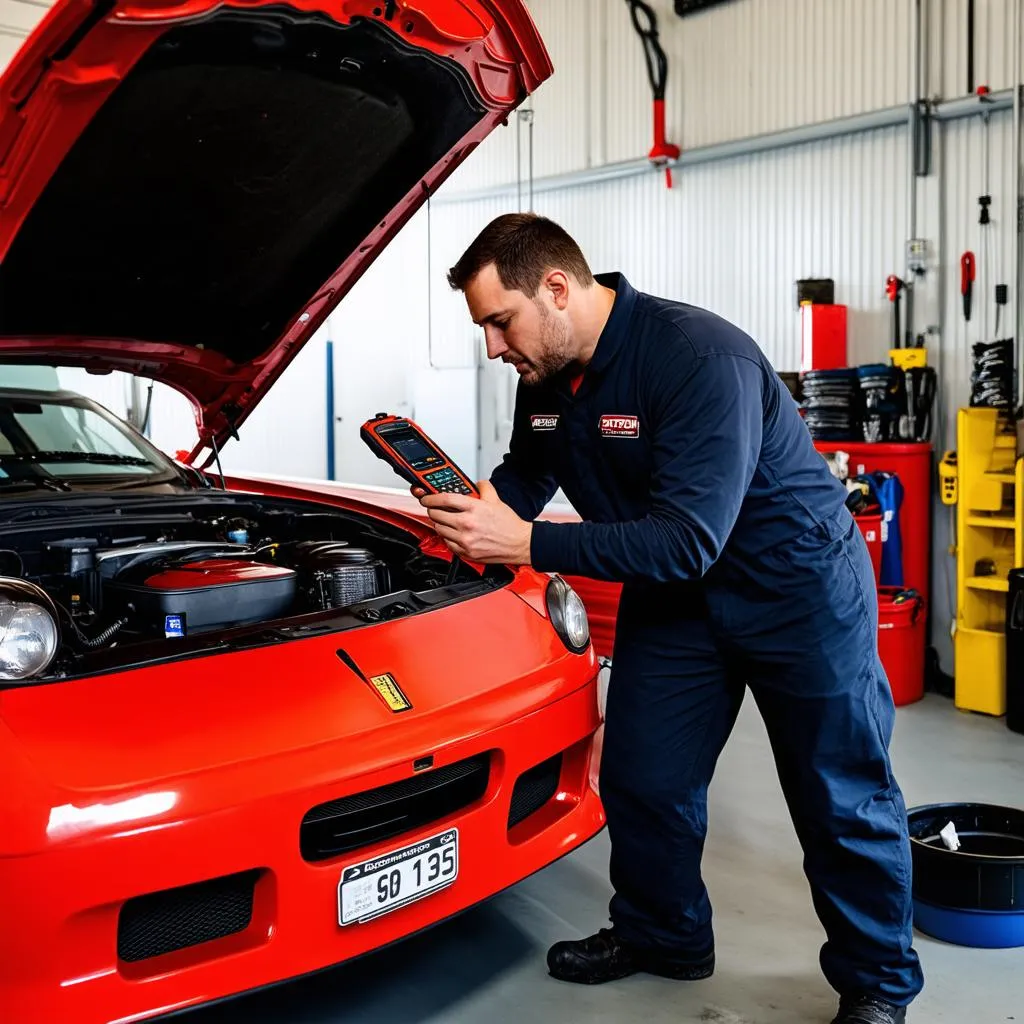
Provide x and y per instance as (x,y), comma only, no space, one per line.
(182,577)
(192,588)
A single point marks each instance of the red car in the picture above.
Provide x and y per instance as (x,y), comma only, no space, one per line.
(246,732)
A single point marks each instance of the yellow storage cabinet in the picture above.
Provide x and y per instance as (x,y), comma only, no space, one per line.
(989,544)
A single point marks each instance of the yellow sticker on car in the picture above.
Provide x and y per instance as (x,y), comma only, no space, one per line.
(391,692)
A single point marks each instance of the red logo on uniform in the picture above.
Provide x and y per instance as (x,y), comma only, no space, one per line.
(542,422)
(620,426)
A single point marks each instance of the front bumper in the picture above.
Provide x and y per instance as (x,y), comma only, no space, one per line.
(59,952)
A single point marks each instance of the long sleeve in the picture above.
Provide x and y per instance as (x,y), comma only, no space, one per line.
(706,419)
(522,479)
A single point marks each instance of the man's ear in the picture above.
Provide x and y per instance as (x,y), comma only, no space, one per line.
(556,283)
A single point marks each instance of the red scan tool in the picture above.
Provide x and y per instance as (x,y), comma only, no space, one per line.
(413,456)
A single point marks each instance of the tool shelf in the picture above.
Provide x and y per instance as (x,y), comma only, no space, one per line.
(990,542)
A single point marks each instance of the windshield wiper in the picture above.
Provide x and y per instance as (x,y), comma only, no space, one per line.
(46,483)
(101,458)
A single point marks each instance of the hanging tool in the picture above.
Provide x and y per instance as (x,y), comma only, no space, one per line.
(902,353)
(1002,295)
(988,252)
(970,47)
(893,287)
(646,24)
(985,201)
(967,275)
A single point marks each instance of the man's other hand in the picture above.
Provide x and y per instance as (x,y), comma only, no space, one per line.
(483,530)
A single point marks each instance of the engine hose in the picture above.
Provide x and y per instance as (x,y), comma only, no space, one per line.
(96,641)
(101,638)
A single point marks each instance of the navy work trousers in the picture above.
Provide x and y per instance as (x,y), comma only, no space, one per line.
(805,643)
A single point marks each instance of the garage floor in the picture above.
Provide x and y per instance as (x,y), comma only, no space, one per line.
(487,967)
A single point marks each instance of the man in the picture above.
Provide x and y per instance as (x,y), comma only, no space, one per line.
(700,490)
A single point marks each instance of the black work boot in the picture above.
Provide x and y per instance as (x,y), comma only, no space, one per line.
(606,957)
(869,1010)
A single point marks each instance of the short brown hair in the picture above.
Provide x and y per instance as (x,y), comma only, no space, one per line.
(522,247)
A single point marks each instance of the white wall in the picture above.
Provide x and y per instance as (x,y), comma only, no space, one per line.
(741,68)
(17,19)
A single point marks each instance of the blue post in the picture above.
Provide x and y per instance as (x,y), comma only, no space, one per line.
(330,410)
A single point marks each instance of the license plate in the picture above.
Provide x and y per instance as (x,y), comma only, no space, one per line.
(395,879)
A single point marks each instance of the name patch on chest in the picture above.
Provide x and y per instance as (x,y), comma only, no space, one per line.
(541,421)
(619,426)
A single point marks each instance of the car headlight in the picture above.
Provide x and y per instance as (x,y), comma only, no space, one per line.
(568,615)
(29,634)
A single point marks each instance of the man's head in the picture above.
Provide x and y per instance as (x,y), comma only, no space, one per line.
(528,285)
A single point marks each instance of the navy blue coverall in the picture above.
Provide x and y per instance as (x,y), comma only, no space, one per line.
(701,491)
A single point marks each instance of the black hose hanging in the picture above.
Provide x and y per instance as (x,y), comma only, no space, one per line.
(646,24)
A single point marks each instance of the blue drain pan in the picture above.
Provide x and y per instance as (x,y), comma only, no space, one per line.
(975,895)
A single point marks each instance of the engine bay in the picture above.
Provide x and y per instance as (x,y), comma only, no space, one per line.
(153,579)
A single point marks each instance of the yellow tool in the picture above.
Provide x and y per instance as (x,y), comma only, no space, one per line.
(948,478)
(907,358)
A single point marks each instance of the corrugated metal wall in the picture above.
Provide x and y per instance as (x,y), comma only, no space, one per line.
(735,236)
(960,170)
(993,51)
(17,19)
(742,68)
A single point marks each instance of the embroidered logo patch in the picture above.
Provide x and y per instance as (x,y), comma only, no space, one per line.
(543,422)
(620,426)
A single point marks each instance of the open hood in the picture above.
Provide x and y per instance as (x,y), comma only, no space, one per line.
(189,187)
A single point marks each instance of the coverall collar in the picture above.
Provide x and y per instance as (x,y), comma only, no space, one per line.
(616,330)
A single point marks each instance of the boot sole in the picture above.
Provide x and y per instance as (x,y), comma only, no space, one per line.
(683,972)
(674,972)
(600,979)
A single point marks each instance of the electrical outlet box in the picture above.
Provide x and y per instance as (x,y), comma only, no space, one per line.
(917,255)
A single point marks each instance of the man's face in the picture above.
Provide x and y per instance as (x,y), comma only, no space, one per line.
(533,334)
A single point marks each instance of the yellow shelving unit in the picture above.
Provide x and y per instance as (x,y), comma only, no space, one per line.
(989,530)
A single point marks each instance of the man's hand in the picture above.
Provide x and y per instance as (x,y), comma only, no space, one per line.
(483,529)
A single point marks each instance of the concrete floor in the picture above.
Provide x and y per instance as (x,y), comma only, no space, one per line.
(487,967)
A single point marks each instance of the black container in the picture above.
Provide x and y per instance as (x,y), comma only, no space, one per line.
(1015,652)
(986,873)
(819,291)
(207,594)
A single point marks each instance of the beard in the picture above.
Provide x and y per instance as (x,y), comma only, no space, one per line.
(555,350)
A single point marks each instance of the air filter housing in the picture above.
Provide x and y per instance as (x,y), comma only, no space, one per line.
(336,575)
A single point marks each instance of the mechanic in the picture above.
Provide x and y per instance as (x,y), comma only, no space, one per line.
(700,490)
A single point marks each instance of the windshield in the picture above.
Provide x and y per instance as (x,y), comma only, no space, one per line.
(56,441)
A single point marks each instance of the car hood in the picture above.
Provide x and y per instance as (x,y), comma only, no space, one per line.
(189,187)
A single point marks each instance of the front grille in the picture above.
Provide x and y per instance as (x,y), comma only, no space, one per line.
(162,922)
(351,822)
(534,788)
